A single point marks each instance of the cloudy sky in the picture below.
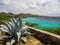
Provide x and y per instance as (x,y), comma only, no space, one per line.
(40,7)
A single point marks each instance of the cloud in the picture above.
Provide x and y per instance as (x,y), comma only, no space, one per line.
(40,7)
(6,2)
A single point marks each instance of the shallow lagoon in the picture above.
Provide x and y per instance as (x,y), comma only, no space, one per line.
(43,22)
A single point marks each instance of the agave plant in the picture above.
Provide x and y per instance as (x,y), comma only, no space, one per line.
(15,28)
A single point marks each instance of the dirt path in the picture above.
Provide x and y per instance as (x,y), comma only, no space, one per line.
(33,41)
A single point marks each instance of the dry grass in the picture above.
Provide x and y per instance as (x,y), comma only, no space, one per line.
(32,41)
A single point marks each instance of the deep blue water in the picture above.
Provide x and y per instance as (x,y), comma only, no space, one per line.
(44,22)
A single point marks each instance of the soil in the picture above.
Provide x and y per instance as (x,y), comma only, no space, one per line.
(32,41)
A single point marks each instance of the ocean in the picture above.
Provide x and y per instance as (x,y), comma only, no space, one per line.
(44,22)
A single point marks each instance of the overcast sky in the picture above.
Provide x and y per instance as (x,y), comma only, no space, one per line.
(40,7)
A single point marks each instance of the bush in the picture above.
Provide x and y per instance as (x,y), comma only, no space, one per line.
(31,24)
(53,30)
(4,17)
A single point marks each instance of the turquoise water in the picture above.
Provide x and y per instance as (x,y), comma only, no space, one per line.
(43,23)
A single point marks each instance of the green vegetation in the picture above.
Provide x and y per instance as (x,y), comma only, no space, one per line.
(53,30)
(4,16)
(32,25)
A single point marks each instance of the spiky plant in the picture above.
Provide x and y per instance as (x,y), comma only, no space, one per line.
(15,28)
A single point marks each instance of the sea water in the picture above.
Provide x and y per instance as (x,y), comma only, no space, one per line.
(44,22)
